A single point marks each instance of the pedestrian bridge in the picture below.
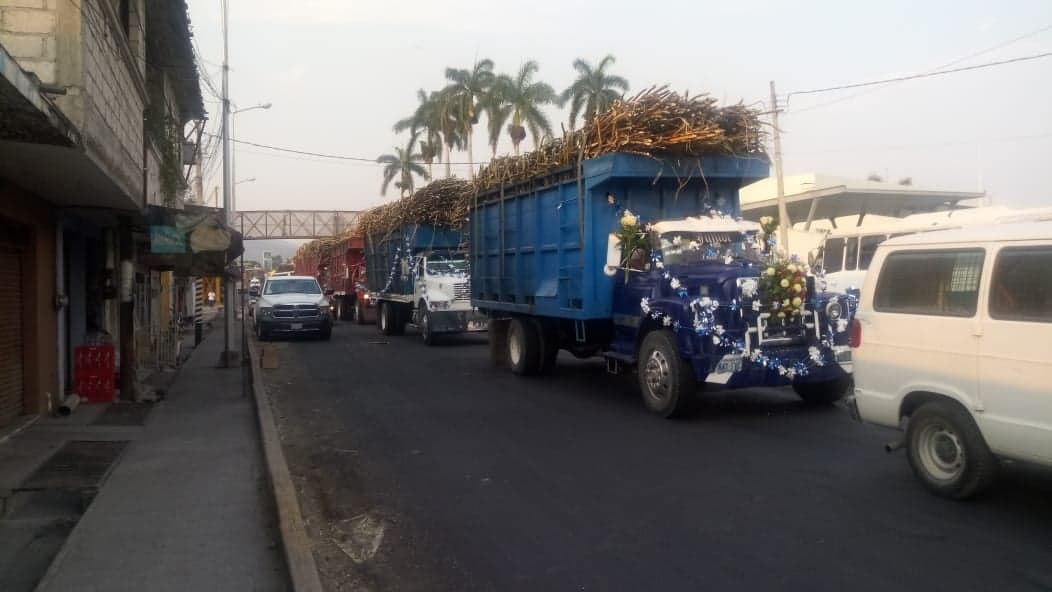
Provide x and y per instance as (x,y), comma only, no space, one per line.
(306,224)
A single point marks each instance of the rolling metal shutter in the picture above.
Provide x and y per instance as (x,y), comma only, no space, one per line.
(11,371)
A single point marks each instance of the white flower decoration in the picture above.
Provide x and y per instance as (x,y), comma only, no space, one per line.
(791,268)
(769,271)
(784,283)
(677,241)
(797,301)
(667,321)
(659,264)
(719,330)
(728,260)
(715,340)
(694,245)
(841,325)
(629,220)
(749,288)
(790,373)
(674,282)
(644,305)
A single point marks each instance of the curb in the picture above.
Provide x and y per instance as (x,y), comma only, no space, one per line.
(298,555)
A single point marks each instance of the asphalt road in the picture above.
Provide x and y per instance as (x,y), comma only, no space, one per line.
(435,471)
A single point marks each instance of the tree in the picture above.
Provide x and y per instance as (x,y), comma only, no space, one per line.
(403,164)
(593,91)
(523,97)
(425,121)
(465,90)
(497,114)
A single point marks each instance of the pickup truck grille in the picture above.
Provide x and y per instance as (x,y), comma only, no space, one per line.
(462,291)
(296,311)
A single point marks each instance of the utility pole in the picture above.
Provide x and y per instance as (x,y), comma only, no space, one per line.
(199,179)
(784,223)
(230,357)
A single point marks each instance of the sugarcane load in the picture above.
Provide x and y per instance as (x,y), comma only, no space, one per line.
(624,240)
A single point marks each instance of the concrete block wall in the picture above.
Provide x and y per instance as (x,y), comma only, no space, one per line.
(27,32)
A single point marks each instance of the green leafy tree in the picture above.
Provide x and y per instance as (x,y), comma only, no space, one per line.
(524,97)
(403,165)
(497,114)
(594,89)
(466,88)
(425,122)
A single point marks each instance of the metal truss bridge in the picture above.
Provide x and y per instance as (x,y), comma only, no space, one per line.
(308,224)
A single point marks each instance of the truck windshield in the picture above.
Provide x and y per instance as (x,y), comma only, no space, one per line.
(684,248)
(292,287)
(447,265)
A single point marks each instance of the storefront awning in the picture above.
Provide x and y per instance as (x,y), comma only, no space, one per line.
(194,241)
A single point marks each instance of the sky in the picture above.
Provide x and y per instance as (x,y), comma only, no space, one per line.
(339,73)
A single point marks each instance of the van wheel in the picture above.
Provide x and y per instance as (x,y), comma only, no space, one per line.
(524,352)
(823,393)
(665,379)
(947,452)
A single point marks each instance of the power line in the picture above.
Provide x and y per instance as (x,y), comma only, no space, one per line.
(954,62)
(330,156)
(922,75)
(970,142)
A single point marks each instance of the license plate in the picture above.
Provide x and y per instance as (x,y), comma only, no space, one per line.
(295,326)
(729,365)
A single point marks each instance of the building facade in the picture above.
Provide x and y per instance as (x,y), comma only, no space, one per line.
(97,102)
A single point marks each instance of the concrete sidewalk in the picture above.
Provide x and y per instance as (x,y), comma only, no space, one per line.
(187,506)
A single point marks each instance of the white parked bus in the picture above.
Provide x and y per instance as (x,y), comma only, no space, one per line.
(846,253)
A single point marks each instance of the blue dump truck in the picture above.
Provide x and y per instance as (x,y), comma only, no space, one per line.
(418,274)
(550,271)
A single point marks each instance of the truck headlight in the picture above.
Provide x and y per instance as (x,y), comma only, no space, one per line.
(266,312)
(834,310)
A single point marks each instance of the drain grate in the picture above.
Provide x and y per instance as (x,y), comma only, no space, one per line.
(79,464)
(124,414)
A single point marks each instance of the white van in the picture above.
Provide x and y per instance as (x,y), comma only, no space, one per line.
(953,340)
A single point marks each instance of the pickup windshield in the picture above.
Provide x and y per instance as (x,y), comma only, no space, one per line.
(447,265)
(292,287)
(685,247)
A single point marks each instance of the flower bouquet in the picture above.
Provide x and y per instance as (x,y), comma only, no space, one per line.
(632,239)
(783,290)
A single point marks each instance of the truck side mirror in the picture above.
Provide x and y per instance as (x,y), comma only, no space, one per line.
(613,255)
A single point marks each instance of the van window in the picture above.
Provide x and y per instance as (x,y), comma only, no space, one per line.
(851,258)
(944,282)
(867,248)
(1021,288)
(833,258)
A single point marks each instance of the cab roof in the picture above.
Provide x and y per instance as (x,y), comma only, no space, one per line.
(984,233)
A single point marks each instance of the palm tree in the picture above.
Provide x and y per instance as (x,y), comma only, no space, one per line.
(426,121)
(497,113)
(523,97)
(465,90)
(594,90)
(402,164)
(448,122)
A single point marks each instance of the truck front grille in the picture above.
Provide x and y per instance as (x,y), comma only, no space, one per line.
(296,311)
(462,291)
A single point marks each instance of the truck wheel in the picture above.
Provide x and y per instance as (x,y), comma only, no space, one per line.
(425,326)
(385,320)
(497,330)
(548,343)
(823,393)
(665,379)
(947,452)
(524,352)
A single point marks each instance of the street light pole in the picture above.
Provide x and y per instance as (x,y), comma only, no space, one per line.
(233,146)
(231,357)
(784,223)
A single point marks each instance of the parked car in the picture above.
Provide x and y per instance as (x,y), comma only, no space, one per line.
(290,305)
(953,341)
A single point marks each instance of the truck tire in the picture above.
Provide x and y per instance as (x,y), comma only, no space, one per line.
(665,379)
(548,342)
(389,322)
(424,324)
(497,331)
(524,352)
(947,452)
(823,393)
